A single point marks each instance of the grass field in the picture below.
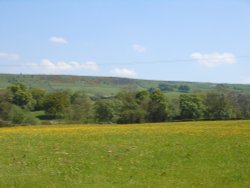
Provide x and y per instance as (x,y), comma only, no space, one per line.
(188,154)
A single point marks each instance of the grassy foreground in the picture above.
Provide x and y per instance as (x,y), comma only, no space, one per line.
(192,154)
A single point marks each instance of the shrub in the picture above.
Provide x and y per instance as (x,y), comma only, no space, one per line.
(4,123)
(19,116)
(29,119)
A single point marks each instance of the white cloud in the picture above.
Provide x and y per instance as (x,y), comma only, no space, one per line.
(139,48)
(91,65)
(124,72)
(214,59)
(48,66)
(59,40)
(9,56)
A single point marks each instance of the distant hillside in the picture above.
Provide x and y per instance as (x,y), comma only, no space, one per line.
(111,85)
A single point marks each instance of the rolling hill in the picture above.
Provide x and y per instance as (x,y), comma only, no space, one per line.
(111,85)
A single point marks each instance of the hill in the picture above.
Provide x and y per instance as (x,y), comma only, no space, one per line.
(111,85)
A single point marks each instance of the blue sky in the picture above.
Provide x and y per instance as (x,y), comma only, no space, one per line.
(207,41)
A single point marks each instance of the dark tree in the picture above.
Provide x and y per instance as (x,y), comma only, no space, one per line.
(81,108)
(166,87)
(191,107)
(130,111)
(38,95)
(104,111)
(157,108)
(55,103)
(21,96)
(184,89)
(217,106)
(243,101)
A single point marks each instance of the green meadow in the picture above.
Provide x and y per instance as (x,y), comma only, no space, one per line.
(186,154)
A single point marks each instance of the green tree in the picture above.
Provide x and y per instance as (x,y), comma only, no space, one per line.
(104,111)
(81,108)
(143,99)
(184,88)
(233,105)
(243,101)
(174,108)
(17,115)
(191,107)
(21,96)
(166,87)
(130,111)
(5,110)
(38,96)
(142,96)
(217,106)
(55,103)
(157,108)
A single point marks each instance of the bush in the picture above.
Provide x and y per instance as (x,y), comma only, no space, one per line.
(4,123)
(20,116)
(29,119)
(17,115)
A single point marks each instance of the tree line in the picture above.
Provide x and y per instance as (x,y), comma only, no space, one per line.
(18,104)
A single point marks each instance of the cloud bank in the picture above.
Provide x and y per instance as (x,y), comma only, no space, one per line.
(47,66)
(139,48)
(214,59)
(58,40)
(124,72)
(9,56)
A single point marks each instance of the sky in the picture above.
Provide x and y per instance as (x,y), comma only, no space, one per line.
(176,40)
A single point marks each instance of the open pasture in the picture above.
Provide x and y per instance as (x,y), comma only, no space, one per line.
(186,154)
